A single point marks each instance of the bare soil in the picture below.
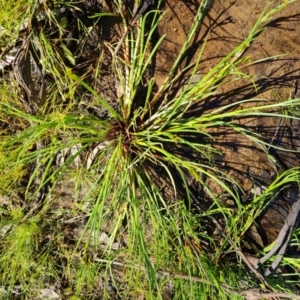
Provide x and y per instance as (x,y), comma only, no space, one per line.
(226,24)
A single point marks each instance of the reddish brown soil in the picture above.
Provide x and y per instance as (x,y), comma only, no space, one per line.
(226,24)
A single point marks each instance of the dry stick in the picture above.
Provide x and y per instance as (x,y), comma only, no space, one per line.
(286,231)
(282,239)
(139,12)
(168,274)
(240,253)
(256,294)
(19,63)
(253,294)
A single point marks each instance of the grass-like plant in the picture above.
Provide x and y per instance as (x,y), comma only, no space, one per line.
(132,176)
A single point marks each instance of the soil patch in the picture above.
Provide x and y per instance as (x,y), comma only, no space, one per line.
(226,24)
